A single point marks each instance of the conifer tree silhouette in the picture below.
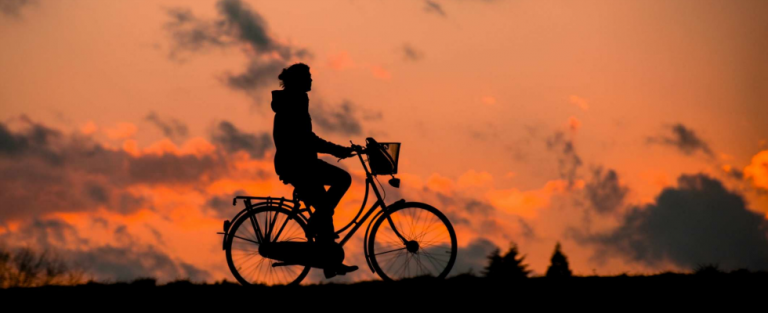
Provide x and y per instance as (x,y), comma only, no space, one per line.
(509,266)
(559,264)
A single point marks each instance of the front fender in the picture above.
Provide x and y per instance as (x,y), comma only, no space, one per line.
(395,204)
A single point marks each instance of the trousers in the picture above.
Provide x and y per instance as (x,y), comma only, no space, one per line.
(311,187)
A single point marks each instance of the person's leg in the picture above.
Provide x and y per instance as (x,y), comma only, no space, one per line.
(338,180)
(324,202)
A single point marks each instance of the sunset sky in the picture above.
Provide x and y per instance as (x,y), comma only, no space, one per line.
(632,132)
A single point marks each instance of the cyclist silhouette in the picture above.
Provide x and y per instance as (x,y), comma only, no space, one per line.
(296,160)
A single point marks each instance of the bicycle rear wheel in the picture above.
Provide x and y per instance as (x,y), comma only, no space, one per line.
(264,224)
(429,248)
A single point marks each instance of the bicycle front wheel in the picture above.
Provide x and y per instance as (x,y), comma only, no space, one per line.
(412,240)
(264,224)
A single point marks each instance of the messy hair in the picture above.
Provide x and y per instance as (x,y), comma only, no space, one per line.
(289,75)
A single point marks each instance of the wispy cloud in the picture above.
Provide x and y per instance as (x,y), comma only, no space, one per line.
(684,139)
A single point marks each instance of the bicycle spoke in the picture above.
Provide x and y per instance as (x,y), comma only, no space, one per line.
(390,251)
(435,251)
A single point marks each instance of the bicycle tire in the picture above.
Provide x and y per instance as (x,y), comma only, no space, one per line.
(246,240)
(404,216)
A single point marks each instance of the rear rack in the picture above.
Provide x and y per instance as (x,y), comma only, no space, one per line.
(269,199)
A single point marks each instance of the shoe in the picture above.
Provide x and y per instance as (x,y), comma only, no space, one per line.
(344,269)
(341,269)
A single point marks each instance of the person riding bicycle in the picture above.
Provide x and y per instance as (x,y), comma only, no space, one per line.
(296,160)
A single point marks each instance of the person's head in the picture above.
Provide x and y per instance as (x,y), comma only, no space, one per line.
(296,77)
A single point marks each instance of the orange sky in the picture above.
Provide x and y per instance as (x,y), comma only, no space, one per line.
(509,106)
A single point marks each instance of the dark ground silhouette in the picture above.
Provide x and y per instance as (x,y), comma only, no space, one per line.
(620,292)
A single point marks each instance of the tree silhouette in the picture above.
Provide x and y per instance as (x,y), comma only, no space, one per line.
(559,266)
(509,266)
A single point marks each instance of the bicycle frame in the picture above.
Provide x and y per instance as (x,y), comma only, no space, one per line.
(296,210)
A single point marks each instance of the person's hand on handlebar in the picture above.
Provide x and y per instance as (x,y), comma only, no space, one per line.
(344,152)
(357,148)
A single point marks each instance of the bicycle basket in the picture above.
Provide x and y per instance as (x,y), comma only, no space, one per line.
(382,156)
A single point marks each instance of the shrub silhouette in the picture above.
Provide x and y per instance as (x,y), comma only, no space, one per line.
(708,269)
(559,264)
(507,267)
(25,267)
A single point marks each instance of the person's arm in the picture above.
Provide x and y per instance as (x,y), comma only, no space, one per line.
(323,146)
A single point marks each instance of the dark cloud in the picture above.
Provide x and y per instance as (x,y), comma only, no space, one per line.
(528,231)
(97,193)
(735,173)
(13,8)
(259,73)
(222,205)
(466,211)
(699,222)
(434,7)
(568,161)
(684,139)
(125,264)
(603,191)
(170,169)
(34,140)
(125,260)
(411,54)
(473,257)
(43,170)
(191,34)
(232,140)
(342,120)
(236,24)
(490,132)
(171,127)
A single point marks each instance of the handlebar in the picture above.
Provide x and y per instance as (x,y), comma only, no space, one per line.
(357,148)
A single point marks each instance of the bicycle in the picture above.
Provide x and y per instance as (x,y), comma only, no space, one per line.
(268,242)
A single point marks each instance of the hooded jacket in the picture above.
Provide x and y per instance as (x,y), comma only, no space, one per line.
(296,145)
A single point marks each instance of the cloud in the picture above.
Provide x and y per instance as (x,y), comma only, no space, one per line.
(171,127)
(233,140)
(604,192)
(34,140)
(473,257)
(124,260)
(580,102)
(573,123)
(340,61)
(13,8)
(380,72)
(259,73)
(411,54)
(434,7)
(222,204)
(342,120)
(126,264)
(236,25)
(568,161)
(698,222)
(43,171)
(757,170)
(684,139)
(122,131)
